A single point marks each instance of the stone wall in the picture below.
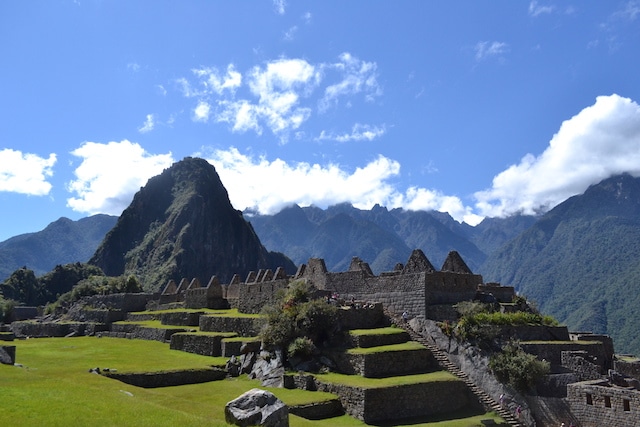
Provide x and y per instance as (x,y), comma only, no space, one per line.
(580,363)
(168,378)
(596,404)
(375,405)
(628,368)
(124,302)
(243,326)
(375,340)
(388,363)
(51,329)
(204,344)
(253,296)
(24,313)
(181,318)
(552,351)
(368,317)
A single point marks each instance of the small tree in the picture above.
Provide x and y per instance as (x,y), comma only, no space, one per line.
(516,368)
(297,320)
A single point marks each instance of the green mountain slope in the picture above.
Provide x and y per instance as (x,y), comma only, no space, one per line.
(61,242)
(581,261)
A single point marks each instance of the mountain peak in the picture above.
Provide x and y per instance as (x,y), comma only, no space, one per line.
(182,224)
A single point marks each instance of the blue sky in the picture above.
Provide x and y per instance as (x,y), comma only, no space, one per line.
(476,108)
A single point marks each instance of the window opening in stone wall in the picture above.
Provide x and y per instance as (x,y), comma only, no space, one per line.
(626,405)
(589,399)
(607,401)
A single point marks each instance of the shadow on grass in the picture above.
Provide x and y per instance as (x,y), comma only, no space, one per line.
(449,417)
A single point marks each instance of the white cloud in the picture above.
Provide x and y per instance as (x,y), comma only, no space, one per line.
(269,186)
(487,49)
(356,76)
(25,173)
(201,112)
(290,34)
(359,132)
(601,141)
(535,9)
(277,95)
(110,174)
(279,6)
(216,82)
(148,125)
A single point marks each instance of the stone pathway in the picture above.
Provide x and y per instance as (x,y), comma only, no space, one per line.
(443,360)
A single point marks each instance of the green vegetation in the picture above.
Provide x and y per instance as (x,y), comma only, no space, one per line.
(6,308)
(54,387)
(407,346)
(359,381)
(63,285)
(516,368)
(95,285)
(298,316)
(378,331)
(481,322)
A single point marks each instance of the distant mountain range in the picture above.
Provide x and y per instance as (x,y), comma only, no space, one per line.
(579,261)
(379,236)
(61,242)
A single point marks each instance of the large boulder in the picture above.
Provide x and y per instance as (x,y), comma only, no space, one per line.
(257,408)
(8,354)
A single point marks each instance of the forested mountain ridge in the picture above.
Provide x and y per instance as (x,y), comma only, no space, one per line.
(378,236)
(61,242)
(581,261)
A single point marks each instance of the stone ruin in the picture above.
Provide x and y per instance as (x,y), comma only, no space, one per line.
(426,293)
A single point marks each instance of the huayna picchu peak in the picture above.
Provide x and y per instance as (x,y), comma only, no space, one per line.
(182,224)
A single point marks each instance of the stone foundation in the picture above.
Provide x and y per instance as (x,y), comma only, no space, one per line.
(243,326)
(204,344)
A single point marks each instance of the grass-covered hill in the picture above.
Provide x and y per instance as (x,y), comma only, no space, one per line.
(61,242)
(581,262)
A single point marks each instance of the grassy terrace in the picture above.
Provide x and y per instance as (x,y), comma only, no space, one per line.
(153,324)
(358,381)
(378,331)
(407,346)
(54,388)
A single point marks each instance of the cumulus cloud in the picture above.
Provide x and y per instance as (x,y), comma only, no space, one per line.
(110,174)
(269,186)
(602,140)
(25,173)
(487,49)
(277,95)
(148,125)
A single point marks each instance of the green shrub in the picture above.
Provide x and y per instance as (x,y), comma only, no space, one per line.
(516,368)
(296,315)
(301,347)
(6,309)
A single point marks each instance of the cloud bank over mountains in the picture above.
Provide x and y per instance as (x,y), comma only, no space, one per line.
(600,141)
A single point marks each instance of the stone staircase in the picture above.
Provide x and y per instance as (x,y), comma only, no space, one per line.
(443,360)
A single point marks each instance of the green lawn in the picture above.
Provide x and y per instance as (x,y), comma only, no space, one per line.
(407,346)
(54,388)
(378,331)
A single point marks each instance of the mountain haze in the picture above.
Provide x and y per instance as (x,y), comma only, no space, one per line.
(581,261)
(182,224)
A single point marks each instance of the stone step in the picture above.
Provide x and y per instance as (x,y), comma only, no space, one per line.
(386,361)
(366,338)
(487,401)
